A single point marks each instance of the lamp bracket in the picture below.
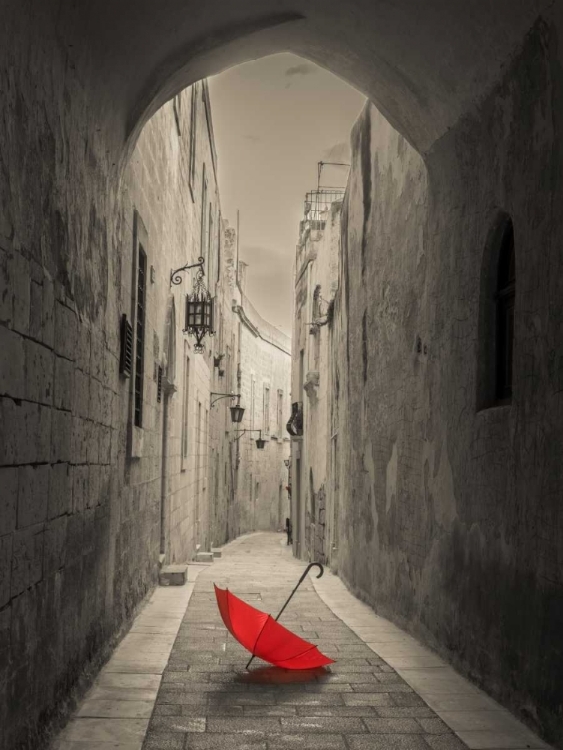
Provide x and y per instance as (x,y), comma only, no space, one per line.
(222,395)
(241,433)
(176,279)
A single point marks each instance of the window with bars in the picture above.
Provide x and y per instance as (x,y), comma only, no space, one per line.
(140,335)
(126,348)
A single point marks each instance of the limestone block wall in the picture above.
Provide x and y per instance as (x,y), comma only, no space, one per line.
(80,511)
(265,363)
(451,518)
(167,197)
(316,284)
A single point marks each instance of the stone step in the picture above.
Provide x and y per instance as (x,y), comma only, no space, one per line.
(216,552)
(173,575)
(204,557)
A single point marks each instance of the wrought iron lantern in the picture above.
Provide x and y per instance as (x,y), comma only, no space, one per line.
(260,443)
(237,411)
(199,305)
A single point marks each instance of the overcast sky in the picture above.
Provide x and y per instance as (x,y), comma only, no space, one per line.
(274,120)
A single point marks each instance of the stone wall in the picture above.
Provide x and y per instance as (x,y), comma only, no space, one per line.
(265,364)
(313,479)
(451,520)
(85,513)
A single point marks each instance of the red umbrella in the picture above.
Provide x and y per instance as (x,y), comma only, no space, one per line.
(264,637)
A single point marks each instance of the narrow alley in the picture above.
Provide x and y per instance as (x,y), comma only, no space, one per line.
(202,697)
(281,283)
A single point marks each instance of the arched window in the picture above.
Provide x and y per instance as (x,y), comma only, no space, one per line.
(496,316)
(506,283)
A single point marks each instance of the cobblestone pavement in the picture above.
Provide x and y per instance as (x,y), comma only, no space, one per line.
(208,701)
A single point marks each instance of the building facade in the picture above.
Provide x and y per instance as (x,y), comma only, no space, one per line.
(114,460)
(315,442)
(439,403)
(264,377)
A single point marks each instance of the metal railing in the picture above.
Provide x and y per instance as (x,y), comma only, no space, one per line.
(318,202)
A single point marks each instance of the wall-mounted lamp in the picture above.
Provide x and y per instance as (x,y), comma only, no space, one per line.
(199,305)
(287,461)
(237,411)
(260,442)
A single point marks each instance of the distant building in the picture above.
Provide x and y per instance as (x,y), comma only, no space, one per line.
(314,490)
(264,378)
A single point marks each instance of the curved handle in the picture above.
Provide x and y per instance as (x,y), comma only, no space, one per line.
(312,565)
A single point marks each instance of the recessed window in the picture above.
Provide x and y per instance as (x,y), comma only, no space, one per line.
(496,316)
(140,335)
(506,287)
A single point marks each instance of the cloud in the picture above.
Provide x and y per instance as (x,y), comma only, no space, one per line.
(339,152)
(303,69)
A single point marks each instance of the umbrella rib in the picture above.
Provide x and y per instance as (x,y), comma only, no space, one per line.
(260,633)
(296,656)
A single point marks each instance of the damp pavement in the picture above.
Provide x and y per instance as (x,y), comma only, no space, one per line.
(178,680)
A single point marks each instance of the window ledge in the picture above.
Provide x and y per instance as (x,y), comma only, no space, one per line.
(137,440)
(496,409)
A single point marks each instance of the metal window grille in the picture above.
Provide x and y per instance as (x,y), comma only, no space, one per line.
(159,385)
(140,336)
(126,348)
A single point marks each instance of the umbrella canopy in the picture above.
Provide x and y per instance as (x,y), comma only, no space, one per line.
(264,637)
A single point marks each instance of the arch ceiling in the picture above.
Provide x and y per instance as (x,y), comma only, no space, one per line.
(423,63)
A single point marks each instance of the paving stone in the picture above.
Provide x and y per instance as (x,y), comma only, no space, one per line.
(367,699)
(248,725)
(208,701)
(178,724)
(223,742)
(163,741)
(434,725)
(394,726)
(445,742)
(307,742)
(319,724)
(388,742)
(399,712)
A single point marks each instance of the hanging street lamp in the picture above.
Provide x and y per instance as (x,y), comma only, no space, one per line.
(237,411)
(199,305)
(260,442)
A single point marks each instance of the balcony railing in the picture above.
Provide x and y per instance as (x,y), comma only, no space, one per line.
(318,202)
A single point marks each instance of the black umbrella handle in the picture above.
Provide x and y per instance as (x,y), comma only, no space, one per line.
(299,582)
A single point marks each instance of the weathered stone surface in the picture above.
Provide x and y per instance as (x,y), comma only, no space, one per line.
(440,503)
(33,494)
(9,502)
(13,358)
(27,560)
